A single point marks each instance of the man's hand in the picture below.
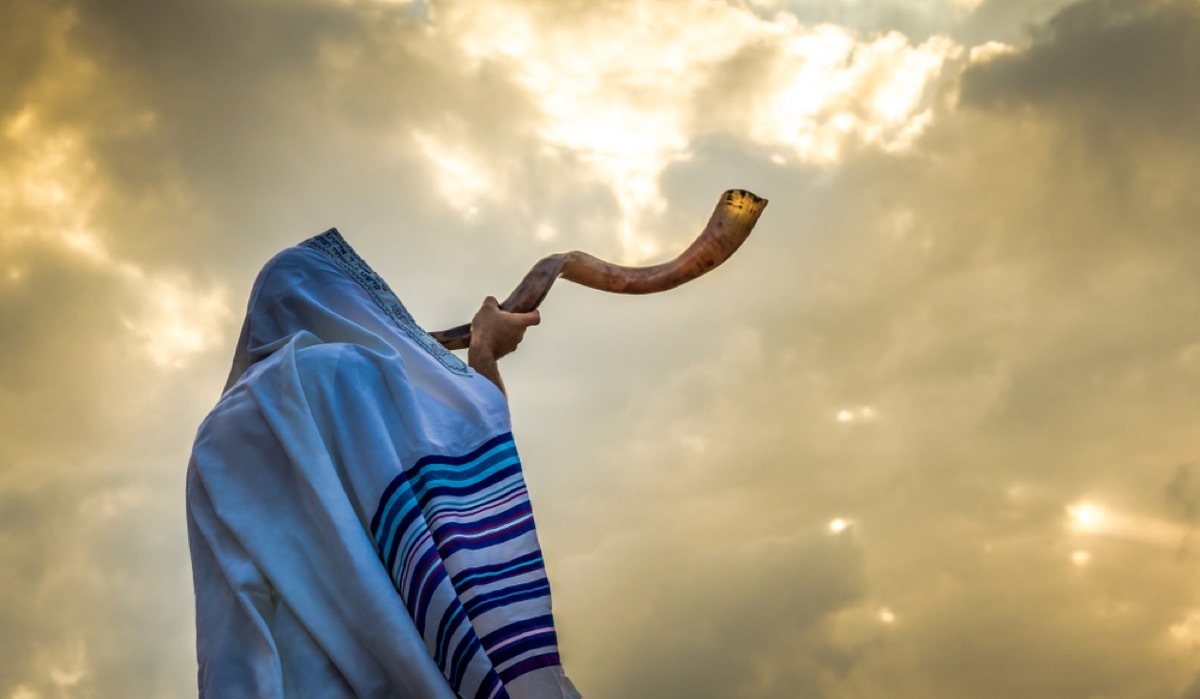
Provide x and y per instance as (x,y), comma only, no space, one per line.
(494,334)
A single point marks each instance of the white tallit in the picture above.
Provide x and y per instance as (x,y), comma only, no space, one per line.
(357,517)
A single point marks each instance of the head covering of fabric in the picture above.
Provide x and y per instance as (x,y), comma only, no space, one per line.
(357,515)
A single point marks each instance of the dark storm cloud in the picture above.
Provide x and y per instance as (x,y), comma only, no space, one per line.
(243,120)
(1183,492)
(1130,64)
(1007,21)
(25,54)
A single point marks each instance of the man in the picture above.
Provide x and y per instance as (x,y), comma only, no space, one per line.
(357,517)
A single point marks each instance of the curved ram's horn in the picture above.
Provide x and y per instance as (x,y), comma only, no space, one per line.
(730,225)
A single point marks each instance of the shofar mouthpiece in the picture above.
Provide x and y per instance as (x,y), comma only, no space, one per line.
(729,226)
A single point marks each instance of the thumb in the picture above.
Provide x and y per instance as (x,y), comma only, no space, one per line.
(531,318)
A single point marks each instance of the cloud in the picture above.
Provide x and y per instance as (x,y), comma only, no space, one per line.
(919,19)
(628,90)
(1122,64)
(93,568)
(737,646)
(970,306)
(1018,310)
(1181,492)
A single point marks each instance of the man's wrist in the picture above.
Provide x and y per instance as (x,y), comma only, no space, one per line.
(480,352)
(484,363)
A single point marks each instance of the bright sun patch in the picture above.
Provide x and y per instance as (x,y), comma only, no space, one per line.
(1086,517)
(630,90)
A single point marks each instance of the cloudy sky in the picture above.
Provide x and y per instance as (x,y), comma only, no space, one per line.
(932,433)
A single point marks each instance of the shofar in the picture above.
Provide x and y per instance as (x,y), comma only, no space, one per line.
(729,226)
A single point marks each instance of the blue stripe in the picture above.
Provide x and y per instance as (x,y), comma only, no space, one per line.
(450,623)
(458,490)
(397,523)
(470,577)
(403,550)
(447,491)
(385,498)
(452,507)
(441,459)
(450,548)
(411,509)
(412,474)
(466,485)
(467,648)
(463,472)
(422,565)
(396,496)
(489,684)
(509,595)
(476,526)
(517,627)
(425,594)
(529,664)
(546,639)
(405,521)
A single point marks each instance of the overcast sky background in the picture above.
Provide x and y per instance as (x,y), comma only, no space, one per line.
(931,433)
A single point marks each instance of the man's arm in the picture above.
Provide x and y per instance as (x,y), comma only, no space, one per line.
(494,334)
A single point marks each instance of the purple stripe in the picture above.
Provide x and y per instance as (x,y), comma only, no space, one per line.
(528,665)
(493,539)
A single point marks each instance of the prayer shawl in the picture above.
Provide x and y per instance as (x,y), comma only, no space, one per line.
(357,517)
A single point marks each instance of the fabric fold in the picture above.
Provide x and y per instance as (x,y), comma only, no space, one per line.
(357,514)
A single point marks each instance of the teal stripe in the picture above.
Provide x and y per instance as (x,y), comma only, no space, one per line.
(414,533)
(391,533)
(420,474)
(498,573)
(471,479)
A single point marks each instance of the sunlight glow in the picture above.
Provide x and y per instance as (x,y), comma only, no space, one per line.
(839,89)
(461,178)
(48,196)
(1187,630)
(613,92)
(1086,517)
(887,616)
(989,50)
(628,91)
(1080,558)
(177,321)
(838,525)
(70,666)
(864,413)
(1091,519)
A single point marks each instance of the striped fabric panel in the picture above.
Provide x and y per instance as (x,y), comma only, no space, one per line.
(456,534)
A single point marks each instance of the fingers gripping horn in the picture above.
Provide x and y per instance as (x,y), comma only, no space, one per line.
(730,225)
